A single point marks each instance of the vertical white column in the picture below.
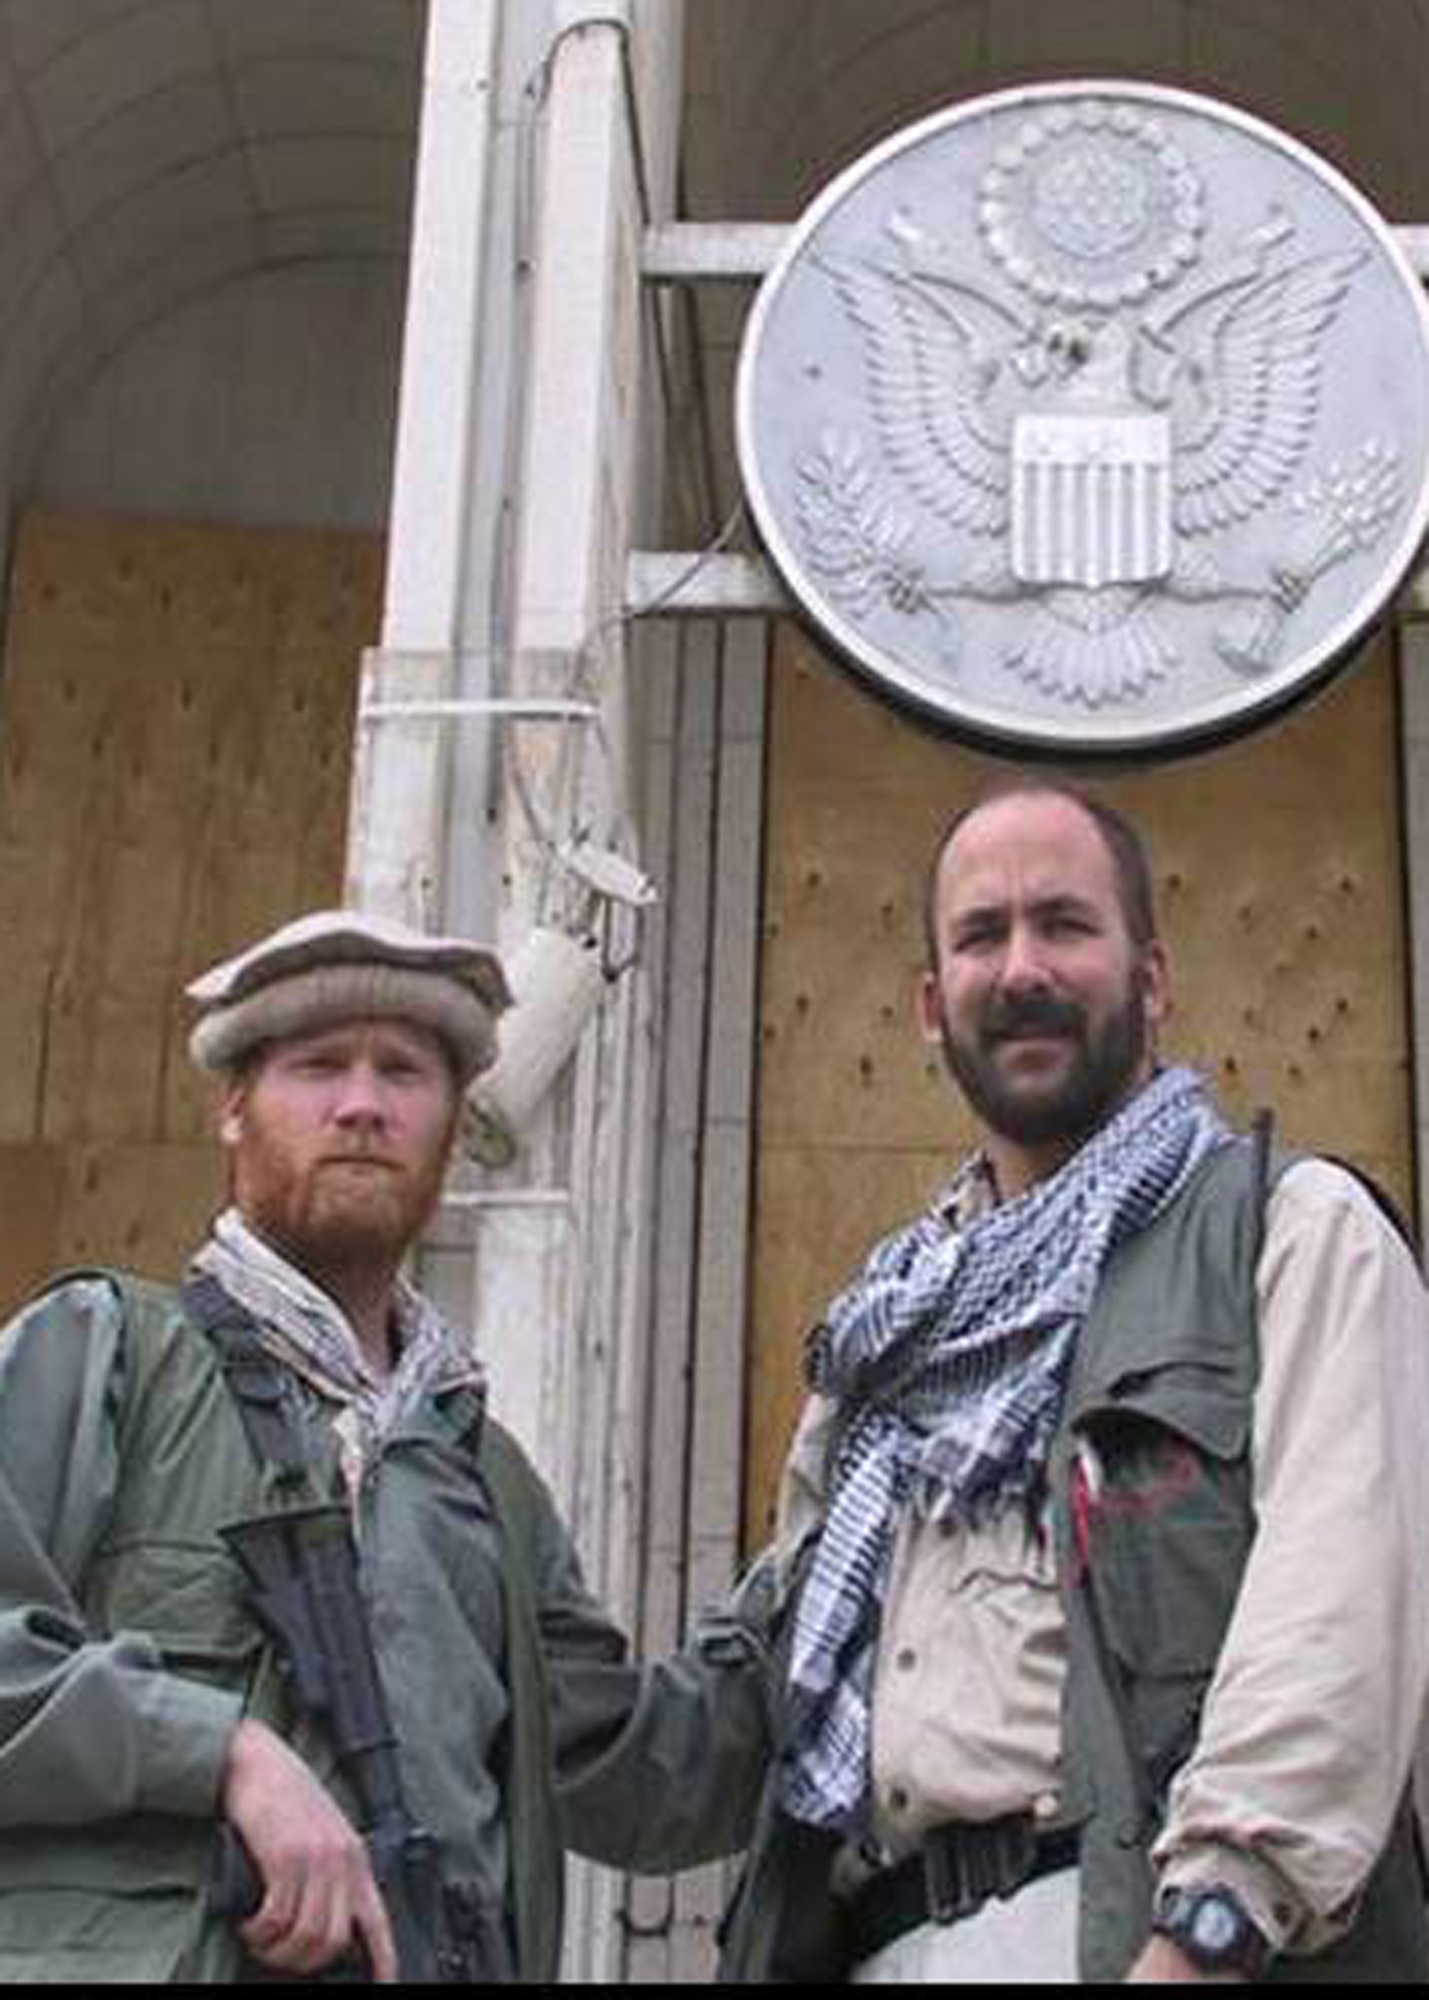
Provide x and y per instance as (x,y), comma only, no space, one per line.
(586,418)
(576,497)
(571,1290)
(401,780)
(441,366)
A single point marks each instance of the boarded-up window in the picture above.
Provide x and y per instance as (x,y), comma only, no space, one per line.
(176,722)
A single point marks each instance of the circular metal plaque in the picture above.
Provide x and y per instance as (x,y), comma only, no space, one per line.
(1090,418)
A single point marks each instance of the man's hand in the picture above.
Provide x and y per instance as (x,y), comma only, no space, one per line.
(1163,1963)
(319,1898)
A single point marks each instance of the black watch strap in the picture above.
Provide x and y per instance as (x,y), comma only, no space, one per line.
(1211,1926)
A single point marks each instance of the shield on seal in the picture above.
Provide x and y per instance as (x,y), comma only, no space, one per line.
(1091,499)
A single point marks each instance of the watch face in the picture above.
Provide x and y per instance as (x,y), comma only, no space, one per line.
(1213,1930)
(1216,1926)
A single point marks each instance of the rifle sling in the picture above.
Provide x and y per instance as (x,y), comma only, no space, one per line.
(255,1381)
(279,1441)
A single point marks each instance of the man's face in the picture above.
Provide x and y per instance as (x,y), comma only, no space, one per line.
(339,1140)
(1042,1002)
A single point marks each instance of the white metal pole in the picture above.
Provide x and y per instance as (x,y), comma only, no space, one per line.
(401,778)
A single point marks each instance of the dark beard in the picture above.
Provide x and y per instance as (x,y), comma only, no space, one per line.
(1095,1085)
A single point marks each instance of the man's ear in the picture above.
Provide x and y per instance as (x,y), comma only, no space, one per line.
(928,1009)
(1156,985)
(232,1107)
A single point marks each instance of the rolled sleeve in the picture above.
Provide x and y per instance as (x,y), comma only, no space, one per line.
(1311,1723)
(183,1731)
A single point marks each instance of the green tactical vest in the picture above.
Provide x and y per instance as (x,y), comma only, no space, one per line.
(128,1899)
(1165,1378)
(1163,1388)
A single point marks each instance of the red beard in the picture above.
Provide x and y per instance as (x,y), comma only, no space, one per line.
(352,1209)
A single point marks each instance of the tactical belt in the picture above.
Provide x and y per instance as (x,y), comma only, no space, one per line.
(952,1875)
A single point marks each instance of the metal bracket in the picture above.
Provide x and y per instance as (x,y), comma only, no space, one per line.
(682,253)
(740,252)
(685,586)
(499,709)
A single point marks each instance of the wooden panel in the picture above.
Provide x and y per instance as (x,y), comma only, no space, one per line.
(175,743)
(1280,877)
(136,1206)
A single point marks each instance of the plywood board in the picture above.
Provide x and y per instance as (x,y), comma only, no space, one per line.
(176,723)
(1280,879)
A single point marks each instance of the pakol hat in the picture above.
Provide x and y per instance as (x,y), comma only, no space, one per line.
(336,966)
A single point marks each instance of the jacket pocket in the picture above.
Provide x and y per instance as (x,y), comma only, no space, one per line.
(187,1598)
(1201,1402)
(1163,1498)
(86,1937)
(97,1906)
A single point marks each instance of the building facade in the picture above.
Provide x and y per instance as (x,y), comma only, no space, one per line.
(374,527)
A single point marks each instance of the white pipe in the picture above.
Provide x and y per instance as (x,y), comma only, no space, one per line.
(511,708)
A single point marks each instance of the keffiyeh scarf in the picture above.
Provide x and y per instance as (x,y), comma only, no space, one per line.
(305,1329)
(949,1358)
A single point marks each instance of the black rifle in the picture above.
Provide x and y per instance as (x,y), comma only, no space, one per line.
(302,1573)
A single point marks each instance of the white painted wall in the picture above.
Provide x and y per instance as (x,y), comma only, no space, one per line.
(271,401)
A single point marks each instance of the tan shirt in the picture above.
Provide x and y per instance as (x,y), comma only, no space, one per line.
(1312,1720)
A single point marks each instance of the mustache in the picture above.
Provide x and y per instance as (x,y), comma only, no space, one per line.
(1033,1014)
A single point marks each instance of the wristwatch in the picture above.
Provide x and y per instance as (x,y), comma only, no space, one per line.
(1212,1928)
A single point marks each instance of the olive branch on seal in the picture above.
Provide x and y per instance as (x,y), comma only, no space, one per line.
(855,539)
(1344,509)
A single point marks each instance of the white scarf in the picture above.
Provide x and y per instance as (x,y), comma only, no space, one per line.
(303,1327)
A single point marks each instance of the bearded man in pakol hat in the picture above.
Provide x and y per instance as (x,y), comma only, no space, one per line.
(151,1723)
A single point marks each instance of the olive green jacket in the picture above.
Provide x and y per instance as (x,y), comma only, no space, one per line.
(128,1655)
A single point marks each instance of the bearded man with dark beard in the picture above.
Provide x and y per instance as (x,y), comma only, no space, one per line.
(1103,1554)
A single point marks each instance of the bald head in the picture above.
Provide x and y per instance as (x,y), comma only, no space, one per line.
(1125,849)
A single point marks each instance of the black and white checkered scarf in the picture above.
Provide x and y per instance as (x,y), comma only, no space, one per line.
(949,1357)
